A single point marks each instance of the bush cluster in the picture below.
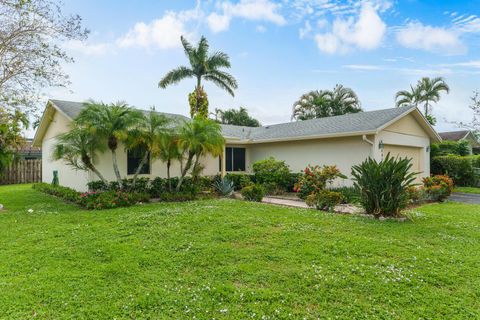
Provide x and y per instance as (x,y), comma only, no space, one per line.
(438,187)
(253,192)
(272,174)
(94,200)
(460,169)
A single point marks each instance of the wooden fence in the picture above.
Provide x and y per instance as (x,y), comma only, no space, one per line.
(23,171)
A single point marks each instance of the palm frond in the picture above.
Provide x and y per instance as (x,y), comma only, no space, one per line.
(221,84)
(175,76)
(218,60)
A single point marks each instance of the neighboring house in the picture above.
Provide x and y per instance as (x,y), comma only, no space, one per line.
(29,152)
(462,135)
(341,140)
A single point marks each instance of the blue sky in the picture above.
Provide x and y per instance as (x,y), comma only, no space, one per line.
(279,50)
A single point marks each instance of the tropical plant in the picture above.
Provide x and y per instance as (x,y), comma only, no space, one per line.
(384,185)
(426,92)
(78,148)
(202,67)
(316,179)
(198,101)
(12,124)
(169,151)
(326,103)
(235,117)
(438,187)
(110,123)
(324,199)
(224,186)
(149,131)
(196,139)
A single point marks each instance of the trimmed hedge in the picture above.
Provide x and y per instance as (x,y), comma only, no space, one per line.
(460,169)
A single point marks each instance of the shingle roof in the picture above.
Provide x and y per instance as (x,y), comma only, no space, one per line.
(368,121)
(72,109)
(454,135)
(345,124)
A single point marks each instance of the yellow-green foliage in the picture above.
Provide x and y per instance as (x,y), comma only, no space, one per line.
(202,109)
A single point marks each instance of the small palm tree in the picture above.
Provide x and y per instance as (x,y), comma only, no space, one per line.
(169,151)
(412,97)
(202,67)
(198,138)
(149,130)
(78,148)
(326,103)
(111,123)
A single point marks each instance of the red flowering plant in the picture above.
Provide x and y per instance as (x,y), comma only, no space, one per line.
(438,187)
(110,199)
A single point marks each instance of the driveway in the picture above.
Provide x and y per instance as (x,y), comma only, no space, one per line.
(465,197)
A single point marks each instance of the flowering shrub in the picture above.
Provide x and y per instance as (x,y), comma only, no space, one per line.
(110,199)
(272,174)
(438,188)
(315,179)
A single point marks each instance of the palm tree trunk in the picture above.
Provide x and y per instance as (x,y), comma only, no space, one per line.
(139,168)
(95,170)
(115,168)
(197,91)
(169,162)
(426,108)
(188,165)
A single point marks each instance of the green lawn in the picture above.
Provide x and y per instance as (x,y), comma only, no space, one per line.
(231,259)
(468,190)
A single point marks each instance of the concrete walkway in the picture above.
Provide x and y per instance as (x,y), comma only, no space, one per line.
(465,197)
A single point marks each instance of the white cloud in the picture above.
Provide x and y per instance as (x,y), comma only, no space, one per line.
(305,30)
(256,10)
(163,33)
(365,67)
(89,49)
(415,35)
(261,29)
(366,32)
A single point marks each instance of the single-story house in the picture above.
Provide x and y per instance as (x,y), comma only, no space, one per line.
(462,135)
(29,152)
(341,140)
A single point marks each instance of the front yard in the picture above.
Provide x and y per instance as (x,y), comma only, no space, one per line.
(233,259)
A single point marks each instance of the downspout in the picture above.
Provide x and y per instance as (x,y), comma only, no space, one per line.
(364,138)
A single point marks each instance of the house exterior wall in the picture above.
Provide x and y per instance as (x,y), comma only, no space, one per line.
(406,138)
(343,152)
(67,176)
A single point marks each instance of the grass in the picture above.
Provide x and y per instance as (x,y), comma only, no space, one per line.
(227,259)
(467,190)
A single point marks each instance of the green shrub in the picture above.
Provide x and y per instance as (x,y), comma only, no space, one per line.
(445,148)
(240,180)
(383,185)
(294,178)
(324,199)
(460,169)
(177,197)
(274,175)
(254,192)
(65,193)
(111,199)
(349,194)
(438,187)
(98,185)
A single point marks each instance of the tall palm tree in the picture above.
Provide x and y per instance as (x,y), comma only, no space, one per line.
(149,130)
(431,89)
(78,148)
(427,90)
(326,103)
(198,138)
(406,97)
(202,67)
(169,151)
(111,123)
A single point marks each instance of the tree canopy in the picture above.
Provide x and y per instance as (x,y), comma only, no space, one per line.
(236,117)
(326,103)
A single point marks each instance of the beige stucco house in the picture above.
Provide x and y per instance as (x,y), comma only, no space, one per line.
(341,140)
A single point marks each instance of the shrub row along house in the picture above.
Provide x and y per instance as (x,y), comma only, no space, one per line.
(344,141)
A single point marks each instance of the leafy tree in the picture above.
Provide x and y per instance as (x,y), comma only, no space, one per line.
(473,125)
(426,92)
(31,56)
(460,148)
(202,66)
(235,117)
(110,122)
(326,103)
(146,135)
(12,124)
(78,148)
(196,139)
